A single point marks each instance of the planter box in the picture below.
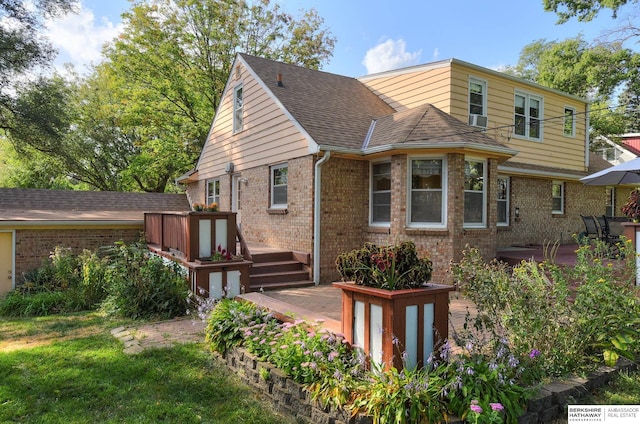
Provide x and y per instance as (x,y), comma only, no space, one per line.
(418,318)
(221,278)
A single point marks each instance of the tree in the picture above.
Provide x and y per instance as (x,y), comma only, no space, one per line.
(21,47)
(584,10)
(576,67)
(594,71)
(141,118)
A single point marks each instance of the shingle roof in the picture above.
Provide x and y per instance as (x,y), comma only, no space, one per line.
(335,110)
(425,124)
(69,205)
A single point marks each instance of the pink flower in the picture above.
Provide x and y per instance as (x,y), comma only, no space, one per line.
(496,407)
(476,408)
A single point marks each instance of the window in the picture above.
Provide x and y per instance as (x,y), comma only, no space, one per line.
(504,188)
(527,116)
(279,186)
(426,197)
(477,97)
(381,193)
(610,207)
(569,122)
(609,153)
(213,191)
(474,193)
(237,109)
(557,196)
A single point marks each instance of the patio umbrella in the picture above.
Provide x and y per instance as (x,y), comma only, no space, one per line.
(623,173)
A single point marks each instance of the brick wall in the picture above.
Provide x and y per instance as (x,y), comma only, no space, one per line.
(345,215)
(291,230)
(536,224)
(33,246)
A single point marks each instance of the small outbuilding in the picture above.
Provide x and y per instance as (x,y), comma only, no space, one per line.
(34,221)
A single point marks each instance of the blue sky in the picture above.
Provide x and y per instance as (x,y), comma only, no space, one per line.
(374,35)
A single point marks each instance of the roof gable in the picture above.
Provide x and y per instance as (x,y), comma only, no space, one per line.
(334,110)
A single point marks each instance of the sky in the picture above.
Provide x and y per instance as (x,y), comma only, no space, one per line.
(373,35)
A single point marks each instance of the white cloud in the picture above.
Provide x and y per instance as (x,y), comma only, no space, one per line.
(390,55)
(436,53)
(79,38)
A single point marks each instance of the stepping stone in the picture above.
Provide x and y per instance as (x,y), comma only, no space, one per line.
(133,350)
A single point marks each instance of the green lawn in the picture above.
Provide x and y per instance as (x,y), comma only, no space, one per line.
(69,369)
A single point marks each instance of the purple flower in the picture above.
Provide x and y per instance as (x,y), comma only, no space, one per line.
(534,353)
(332,356)
(476,408)
(496,407)
(284,346)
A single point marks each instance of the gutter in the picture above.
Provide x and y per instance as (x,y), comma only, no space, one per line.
(316,217)
(69,224)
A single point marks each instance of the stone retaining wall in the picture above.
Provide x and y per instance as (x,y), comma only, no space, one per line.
(290,398)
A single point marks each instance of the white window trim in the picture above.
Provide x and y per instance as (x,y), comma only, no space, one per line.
(216,197)
(562,198)
(527,100)
(573,123)
(237,126)
(371,222)
(273,205)
(507,201)
(485,86)
(444,189)
(482,224)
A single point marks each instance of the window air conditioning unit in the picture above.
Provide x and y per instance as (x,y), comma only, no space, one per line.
(478,121)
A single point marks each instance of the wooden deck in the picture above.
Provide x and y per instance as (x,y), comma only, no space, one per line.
(565,255)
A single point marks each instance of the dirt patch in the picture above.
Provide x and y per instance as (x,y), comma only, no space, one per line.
(17,340)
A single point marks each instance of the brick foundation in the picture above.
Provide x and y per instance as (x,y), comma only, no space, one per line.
(33,246)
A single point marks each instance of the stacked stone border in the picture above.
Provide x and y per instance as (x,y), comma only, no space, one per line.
(290,398)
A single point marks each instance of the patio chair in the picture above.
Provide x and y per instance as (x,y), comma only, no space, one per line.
(608,236)
(592,229)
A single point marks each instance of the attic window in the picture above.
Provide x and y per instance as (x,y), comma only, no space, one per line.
(237,109)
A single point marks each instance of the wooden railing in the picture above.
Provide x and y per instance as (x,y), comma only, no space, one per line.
(244,249)
(194,235)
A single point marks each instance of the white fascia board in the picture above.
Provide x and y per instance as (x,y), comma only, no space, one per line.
(539,173)
(423,146)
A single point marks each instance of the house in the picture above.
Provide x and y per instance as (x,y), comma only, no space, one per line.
(445,154)
(33,222)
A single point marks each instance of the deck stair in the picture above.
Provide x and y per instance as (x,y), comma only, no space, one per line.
(274,269)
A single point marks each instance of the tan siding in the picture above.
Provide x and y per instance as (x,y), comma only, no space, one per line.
(268,136)
(555,150)
(407,91)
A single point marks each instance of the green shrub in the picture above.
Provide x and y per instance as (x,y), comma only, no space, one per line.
(574,316)
(140,285)
(228,317)
(17,304)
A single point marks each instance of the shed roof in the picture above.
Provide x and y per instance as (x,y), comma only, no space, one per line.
(69,206)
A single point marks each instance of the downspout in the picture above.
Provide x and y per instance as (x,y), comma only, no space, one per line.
(316,218)
(587,143)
